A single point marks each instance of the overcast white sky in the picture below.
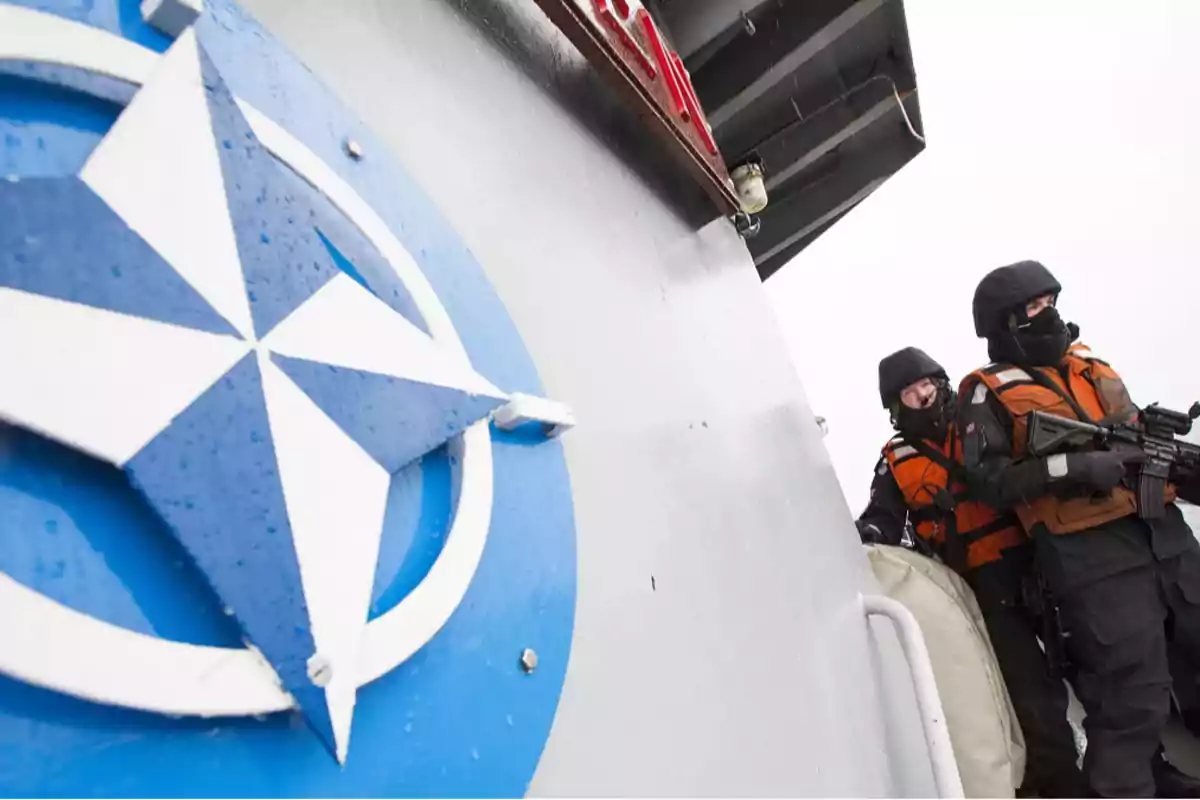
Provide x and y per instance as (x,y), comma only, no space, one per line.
(1068,132)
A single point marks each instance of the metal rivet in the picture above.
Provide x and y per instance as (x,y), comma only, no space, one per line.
(528,660)
(320,671)
(353,149)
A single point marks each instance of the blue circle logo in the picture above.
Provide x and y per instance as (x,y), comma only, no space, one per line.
(272,524)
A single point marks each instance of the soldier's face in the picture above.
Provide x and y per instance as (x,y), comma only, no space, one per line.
(1037,305)
(919,394)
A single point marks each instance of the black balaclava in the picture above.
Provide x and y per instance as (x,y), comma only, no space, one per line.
(1038,342)
(999,311)
(908,366)
(931,422)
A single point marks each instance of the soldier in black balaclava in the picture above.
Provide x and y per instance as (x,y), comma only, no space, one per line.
(926,412)
(1119,580)
(919,481)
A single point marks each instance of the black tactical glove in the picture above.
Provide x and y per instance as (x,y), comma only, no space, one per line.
(944,501)
(1101,470)
(870,534)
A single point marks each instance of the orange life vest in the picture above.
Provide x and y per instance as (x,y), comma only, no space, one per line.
(984,533)
(1084,387)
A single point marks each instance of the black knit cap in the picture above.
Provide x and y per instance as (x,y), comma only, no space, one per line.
(902,368)
(1006,288)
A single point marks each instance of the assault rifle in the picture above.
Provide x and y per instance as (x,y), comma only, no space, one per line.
(1043,606)
(1153,431)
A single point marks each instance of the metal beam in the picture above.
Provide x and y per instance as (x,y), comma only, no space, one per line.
(865,77)
(858,124)
(784,257)
(781,26)
(785,66)
(831,186)
(695,23)
(837,210)
(834,179)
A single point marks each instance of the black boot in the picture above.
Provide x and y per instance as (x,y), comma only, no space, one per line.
(1170,781)
(1063,783)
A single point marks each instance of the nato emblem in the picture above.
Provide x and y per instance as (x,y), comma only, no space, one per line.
(269,520)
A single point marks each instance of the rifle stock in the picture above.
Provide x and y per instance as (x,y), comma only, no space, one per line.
(1154,432)
(1049,434)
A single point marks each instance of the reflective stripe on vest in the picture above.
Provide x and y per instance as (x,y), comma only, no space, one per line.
(919,477)
(1091,386)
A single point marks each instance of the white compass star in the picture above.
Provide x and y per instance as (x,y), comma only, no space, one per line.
(207,342)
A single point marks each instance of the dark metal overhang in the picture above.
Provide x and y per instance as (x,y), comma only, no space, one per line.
(822,92)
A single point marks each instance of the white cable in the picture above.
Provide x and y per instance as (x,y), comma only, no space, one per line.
(904,112)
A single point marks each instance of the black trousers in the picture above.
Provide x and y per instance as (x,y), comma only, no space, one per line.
(1039,699)
(1117,641)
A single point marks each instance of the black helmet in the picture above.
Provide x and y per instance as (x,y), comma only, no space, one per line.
(1005,288)
(902,368)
